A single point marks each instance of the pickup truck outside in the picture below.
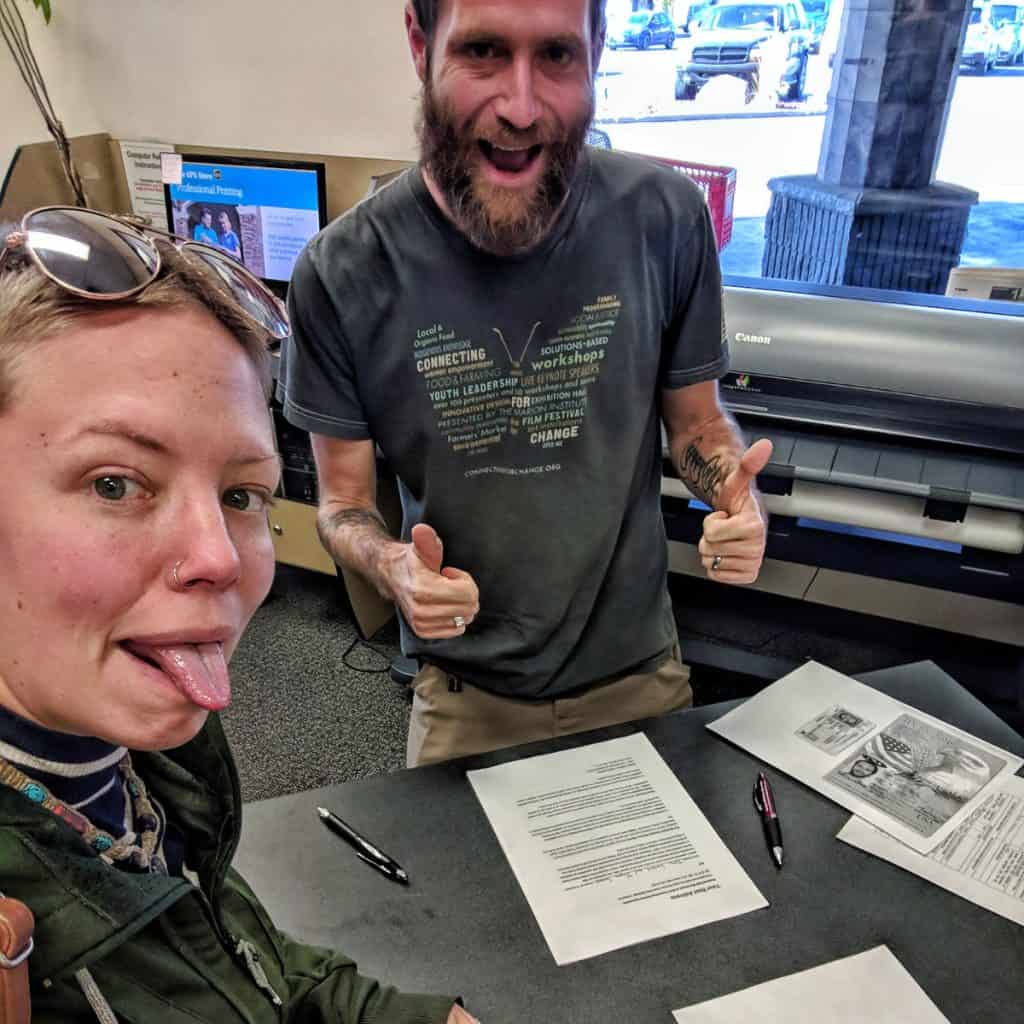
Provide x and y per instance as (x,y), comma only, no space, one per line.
(765,44)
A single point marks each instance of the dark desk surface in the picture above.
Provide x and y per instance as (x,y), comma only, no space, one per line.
(465,926)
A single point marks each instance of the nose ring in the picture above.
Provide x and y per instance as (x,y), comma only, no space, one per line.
(175,578)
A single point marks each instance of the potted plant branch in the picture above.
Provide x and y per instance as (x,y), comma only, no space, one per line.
(15,35)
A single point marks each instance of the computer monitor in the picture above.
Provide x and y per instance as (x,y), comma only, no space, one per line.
(261,211)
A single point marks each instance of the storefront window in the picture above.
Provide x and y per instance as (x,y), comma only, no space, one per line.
(755,85)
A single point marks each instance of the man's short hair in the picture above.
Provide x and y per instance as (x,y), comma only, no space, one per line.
(427,12)
(33,308)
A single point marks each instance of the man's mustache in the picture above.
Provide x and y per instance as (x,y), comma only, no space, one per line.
(508,137)
(517,142)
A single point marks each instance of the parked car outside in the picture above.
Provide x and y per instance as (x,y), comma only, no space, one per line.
(745,39)
(981,47)
(1008,20)
(644,29)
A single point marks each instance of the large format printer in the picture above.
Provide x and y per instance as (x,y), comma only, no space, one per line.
(896,486)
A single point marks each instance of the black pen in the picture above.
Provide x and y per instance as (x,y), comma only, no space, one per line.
(365,850)
(764,801)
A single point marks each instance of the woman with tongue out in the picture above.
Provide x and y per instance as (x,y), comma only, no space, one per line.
(135,549)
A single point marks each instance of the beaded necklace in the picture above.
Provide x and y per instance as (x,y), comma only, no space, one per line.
(139,853)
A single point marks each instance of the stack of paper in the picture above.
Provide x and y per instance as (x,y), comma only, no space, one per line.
(926,795)
(982,861)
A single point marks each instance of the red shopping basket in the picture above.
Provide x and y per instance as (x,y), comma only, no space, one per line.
(719,187)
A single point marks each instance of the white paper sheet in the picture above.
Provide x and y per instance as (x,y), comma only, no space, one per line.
(142,171)
(982,861)
(609,848)
(908,773)
(872,986)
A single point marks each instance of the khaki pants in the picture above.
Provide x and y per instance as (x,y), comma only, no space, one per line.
(446,724)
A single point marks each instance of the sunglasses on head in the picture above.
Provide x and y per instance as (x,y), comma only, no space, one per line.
(98,256)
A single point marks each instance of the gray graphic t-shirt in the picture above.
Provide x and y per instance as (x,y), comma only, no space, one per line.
(517,400)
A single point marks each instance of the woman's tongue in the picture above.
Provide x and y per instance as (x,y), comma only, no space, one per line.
(199,671)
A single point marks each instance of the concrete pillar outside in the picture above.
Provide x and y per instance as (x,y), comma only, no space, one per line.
(873,215)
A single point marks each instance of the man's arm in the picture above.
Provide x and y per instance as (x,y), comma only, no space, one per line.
(432,599)
(350,526)
(711,458)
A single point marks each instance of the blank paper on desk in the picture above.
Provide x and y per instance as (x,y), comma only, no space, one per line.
(872,986)
(609,848)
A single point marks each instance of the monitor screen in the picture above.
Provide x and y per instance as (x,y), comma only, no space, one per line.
(261,211)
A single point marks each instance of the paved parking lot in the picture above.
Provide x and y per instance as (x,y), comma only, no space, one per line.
(642,83)
(983,147)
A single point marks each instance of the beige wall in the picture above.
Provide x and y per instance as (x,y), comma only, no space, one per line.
(321,76)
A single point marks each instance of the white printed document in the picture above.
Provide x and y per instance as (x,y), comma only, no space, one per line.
(609,848)
(905,772)
(143,172)
(982,861)
(872,986)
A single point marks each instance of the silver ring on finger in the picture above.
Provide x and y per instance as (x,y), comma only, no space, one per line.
(460,622)
(716,563)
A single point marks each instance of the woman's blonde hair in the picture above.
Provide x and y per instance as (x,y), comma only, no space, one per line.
(33,308)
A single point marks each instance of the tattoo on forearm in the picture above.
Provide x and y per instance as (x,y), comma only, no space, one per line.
(328,524)
(353,537)
(353,517)
(702,476)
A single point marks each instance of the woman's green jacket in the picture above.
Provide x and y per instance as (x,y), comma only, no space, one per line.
(161,949)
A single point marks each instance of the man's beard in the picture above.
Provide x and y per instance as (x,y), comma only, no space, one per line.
(502,221)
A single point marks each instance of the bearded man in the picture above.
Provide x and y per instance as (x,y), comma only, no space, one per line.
(511,322)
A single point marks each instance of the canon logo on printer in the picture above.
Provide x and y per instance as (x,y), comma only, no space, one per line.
(754,339)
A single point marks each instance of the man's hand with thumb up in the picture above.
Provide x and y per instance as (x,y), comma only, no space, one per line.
(437,601)
(710,457)
(732,548)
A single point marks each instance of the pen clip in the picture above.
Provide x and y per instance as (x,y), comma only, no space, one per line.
(758,798)
(380,865)
(386,867)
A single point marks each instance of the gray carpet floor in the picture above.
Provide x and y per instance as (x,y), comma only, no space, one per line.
(299,716)
(305,715)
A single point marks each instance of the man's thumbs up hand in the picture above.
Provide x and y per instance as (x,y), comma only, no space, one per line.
(428,546)
(735,491)
(732,548)
(437,601)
